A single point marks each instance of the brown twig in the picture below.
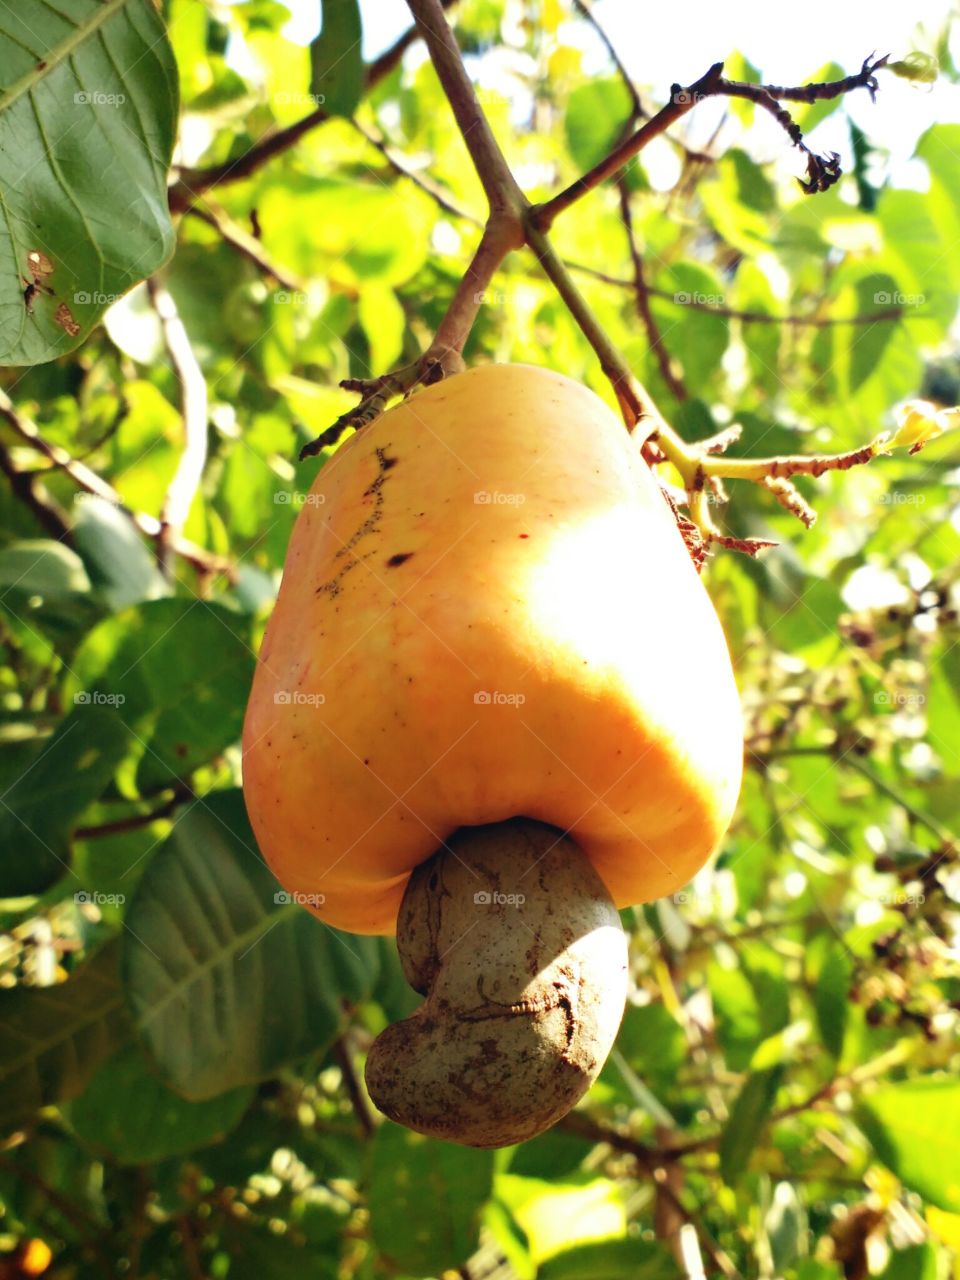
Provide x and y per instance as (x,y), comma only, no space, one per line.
(681,101)
(28,487)
(822,171)
(641,293)
(247,245)
(181,792)
(362,1107)
(443,199)
(193,408)
(192,183)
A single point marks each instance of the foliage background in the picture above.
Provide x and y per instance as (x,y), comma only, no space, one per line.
(182,1048)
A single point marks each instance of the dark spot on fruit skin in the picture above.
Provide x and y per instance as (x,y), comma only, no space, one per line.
(400,558)
(524,535)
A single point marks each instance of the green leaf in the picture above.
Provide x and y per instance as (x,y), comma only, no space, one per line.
(336,60)
(914,1127)
(831,997)
(748,1117)
(869,341)
(43,583)
(55,783)
(595,116)
(128,1113)
(52,1039)
(87,124)
(227,979)
(426,1199)
(118,562)
(182,669)
(611,1260)
(916,1262)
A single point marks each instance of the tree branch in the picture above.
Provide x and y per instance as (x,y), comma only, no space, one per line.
(641,293)
(247,245)
(822,172)
(499,184)
(205,562)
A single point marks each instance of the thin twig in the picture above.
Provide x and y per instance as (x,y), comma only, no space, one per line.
(205,562)
(641,293)
(132,823)
(246,244)
(193,408)
(443,199)
(28,487)
(362,1107)
(499,184)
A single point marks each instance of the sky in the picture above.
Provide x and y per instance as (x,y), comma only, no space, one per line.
(662,43)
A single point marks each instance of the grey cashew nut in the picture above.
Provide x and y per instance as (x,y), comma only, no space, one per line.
(513,939)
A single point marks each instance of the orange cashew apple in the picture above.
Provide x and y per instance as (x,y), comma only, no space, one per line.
(488,619)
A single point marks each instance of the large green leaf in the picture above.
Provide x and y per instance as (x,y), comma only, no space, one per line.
(595,116)
(182,669)
(914,1127)
(228,980)
(87,124)
(53,785)
(52,1039)
(127,1112)
(426,1199)
(335,58)
(748,1116)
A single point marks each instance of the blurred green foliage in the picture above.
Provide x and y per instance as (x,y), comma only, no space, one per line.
(182,1046)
